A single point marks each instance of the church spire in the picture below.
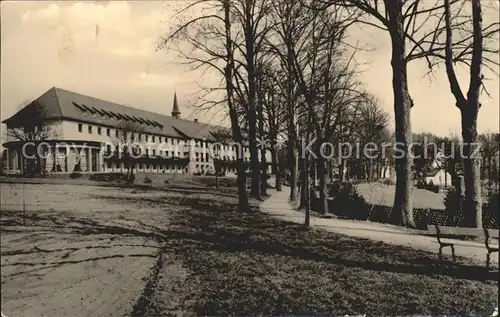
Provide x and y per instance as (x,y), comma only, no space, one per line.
(176,113)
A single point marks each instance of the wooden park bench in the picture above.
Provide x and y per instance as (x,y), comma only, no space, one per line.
(442,232)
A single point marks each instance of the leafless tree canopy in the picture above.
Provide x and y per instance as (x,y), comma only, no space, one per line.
(31,124)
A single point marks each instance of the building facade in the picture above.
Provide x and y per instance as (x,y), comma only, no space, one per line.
(66,132)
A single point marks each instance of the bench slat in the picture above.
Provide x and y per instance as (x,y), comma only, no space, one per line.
(461,231)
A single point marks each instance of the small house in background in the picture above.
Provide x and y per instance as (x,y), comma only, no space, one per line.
(438,176)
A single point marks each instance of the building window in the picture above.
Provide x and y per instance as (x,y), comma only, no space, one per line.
(147,138)
(80,127)
(90,129)
(147,152)
(108,132)
(99,130)
(116,133)
(154,152)
(153,138)
(139,137)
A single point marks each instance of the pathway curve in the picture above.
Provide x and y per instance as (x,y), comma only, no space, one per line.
(278,206)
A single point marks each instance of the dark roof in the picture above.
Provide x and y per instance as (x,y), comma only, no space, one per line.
(68,105)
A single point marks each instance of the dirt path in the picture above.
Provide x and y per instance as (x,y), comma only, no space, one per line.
(277,205)
(78,253)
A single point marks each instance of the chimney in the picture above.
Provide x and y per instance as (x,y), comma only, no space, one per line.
(195,120)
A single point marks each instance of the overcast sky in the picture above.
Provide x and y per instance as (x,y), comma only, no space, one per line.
(48,44)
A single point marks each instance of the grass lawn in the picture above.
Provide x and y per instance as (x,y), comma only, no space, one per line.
(381,194)
(250,264)
(209,259)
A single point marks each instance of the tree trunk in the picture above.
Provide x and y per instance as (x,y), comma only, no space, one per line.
(472,167)
(292,132)
(315,166)
(263,150)
(323,175)
(243,205)
(402,211)
(303,178)
(306,190)
(469,107)
(276,167)
(341,170)
(445,179)
(252,110)
(322,186)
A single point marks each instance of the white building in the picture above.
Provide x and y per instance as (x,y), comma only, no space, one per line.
(89,135)
(438,176)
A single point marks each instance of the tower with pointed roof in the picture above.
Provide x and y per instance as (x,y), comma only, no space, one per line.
(176,113)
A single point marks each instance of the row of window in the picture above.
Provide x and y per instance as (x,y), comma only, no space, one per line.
(105,114)
(198,157)
(133,136)
(146,137)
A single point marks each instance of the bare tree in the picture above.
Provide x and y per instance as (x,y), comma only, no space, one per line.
(403,21)
(326,80)
(32,126)
(127,149)
(372,128)
(273,113)
(212,47)
(469,103)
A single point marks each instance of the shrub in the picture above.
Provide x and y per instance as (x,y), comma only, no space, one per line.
(450,199)
(129,179)
(75,175)
(387,182)
(455,216)
(106,177)
(197,174)
(347,201)
(490,211)
(421,184)
(166,182)
(433,188)
(147,180)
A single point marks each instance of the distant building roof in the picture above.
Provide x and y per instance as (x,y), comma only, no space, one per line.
(64,104)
